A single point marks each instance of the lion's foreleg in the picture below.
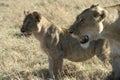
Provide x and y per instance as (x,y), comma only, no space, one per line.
(103,50)
(116,67)
(55,67)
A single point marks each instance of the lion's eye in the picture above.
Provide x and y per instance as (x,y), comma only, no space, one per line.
(79,19)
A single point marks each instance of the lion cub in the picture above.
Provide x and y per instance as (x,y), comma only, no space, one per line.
(56,42)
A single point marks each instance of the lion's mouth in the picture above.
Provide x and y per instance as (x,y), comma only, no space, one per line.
(84,39)
(26,34)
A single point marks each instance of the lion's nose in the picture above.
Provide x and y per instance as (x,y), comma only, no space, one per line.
(70,31)
(22,30)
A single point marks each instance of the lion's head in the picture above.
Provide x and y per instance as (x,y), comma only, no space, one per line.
(88,24)
(30,23)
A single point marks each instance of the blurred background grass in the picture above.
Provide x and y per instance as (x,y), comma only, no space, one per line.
(22,59)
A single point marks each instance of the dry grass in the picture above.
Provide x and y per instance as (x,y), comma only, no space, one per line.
(22,59)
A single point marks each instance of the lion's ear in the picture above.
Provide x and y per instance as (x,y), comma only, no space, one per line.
(26,12)
(98,12)
(94,8)
(100,15)
(37,16)
(94,5)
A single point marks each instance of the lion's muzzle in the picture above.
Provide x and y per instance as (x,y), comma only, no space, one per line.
(25,33)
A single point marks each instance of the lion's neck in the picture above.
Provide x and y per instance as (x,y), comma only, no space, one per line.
(111,23)
(111,32)
(42,27)
(45,27)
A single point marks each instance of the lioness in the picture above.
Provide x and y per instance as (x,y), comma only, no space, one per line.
(56,42)
(86,30)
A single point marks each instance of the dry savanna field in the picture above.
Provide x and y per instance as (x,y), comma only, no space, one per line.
(22,58)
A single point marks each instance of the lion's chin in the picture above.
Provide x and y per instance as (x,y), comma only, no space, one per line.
(85,45)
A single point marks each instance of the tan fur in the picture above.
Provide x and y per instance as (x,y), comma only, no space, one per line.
(56,42)
(110,36)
